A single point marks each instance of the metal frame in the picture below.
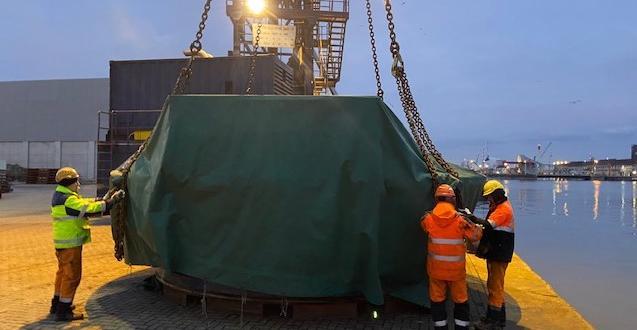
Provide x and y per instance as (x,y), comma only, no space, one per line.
(323,22)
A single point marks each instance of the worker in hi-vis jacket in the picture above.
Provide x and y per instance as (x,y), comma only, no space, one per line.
(496,246)
(447,231)
(71,231)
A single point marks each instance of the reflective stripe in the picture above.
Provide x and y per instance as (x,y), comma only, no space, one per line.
(68,217)
(491,222)
(504,228)
(440,323)
(446,258)
(79,240)
(461,323)
(447,241)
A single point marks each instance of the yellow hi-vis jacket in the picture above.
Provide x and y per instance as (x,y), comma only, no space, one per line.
(70,214)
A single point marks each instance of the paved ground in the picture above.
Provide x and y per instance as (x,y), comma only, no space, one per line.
(111,293)
(112,297)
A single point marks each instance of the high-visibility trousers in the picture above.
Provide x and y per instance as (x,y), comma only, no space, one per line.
(438,290)
(69,273)
(495,283)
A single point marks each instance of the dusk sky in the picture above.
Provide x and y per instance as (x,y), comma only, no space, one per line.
(504,74)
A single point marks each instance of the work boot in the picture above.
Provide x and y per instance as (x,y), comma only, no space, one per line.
(461,316)
(439,315)
(64,313)
(502,317)
(489,322)
(54,305)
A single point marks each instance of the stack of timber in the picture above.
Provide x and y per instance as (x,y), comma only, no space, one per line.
(40,176)
(4,184)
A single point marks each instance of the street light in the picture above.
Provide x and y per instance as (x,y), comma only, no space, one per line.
(256,7)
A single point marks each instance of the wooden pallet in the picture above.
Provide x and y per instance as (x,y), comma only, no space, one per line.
(4,184)
(40,176)
(261,305)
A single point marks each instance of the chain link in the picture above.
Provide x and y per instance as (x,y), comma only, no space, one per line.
(253,61)
(421,136)
(372,38)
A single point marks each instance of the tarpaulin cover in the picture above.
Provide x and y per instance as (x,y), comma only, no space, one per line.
(296,196)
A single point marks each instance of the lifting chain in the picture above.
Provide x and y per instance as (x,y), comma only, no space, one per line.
(195,48)
(253,61)
(119,211)
(422,138)
(372,39)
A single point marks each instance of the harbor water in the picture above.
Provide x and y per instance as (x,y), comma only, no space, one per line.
(581,237)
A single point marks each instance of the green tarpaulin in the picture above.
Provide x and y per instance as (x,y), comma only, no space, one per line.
(295,196)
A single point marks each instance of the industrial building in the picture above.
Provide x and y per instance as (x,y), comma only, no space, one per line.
(600,168)
(52,123)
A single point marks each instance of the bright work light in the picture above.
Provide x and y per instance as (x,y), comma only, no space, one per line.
(256,6)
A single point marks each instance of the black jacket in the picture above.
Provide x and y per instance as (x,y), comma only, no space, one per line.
(496,245)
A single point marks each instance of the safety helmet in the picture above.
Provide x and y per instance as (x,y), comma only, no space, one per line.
(66,173)
(444,190)
(491,186)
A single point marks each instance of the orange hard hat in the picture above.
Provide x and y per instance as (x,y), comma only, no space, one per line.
(444,190)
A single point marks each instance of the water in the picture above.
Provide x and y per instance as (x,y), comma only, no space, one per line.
(581,237)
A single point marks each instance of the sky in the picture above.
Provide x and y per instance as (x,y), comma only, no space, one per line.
(493,77)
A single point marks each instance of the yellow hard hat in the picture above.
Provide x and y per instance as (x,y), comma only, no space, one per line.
(66,173)
(491,186)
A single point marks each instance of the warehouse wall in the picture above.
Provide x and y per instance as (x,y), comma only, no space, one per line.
(51,110)
(51,154)
(52,123)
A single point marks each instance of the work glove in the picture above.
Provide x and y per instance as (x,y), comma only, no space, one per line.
(484,223)
(117,196)
(114,198)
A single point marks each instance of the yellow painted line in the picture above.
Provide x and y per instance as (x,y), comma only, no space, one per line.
(531,302)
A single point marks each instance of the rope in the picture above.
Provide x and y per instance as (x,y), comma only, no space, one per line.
(284,307)
(244,298)
(484,287)
(204,307)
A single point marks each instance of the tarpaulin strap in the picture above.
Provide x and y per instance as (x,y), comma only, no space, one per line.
(204,308)
(284,307)
(244,298)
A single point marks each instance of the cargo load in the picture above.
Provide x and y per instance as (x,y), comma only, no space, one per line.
(295,196)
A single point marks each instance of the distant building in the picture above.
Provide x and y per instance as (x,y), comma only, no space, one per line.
(600,167)
(52,123)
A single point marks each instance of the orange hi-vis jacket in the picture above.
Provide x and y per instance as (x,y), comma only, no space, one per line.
(447,230)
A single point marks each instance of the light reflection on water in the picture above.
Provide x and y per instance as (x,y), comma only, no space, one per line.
(634,204)
(596,185)
(581,236)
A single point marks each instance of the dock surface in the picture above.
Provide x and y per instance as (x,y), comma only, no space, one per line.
(530,301)
(111,295)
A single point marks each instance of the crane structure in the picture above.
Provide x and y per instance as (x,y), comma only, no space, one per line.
(317,55)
